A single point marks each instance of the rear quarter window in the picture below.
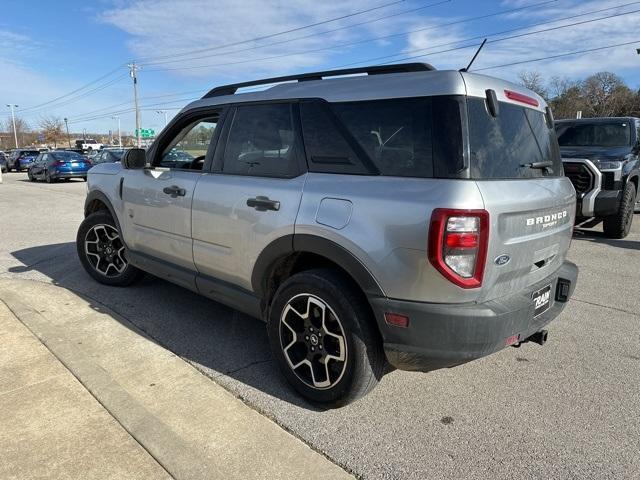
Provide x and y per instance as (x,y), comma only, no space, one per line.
(412,137)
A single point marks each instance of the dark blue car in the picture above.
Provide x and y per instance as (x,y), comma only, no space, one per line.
(20,159)
(60,164)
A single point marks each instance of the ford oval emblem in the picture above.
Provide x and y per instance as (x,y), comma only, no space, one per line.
(502,260)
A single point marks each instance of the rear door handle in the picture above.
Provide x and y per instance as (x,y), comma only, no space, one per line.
(262,204)
(174,191)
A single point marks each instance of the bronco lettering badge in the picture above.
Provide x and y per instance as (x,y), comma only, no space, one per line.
(547,221)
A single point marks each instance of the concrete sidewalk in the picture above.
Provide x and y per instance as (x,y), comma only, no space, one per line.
(50,425)
(133,410)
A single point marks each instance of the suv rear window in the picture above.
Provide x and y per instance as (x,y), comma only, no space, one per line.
(413,137)
(501,147)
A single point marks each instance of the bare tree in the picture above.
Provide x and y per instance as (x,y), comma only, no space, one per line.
(605,94)
(52,129)
(533,81)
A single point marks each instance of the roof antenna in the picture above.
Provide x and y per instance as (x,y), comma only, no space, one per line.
(474,57)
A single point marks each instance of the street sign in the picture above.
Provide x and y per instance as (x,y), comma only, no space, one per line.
(146,133)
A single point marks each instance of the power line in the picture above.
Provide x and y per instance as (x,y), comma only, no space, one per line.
(80,119)
(374,59)
(511,37)
(152,97)
(324,32)
(277,34)
(78,97)
(38,106)
(74,91)
(551,57)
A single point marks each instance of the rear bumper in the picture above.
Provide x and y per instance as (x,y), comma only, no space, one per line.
(57,174)
(446,335)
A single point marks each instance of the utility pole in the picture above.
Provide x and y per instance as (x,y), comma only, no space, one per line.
(66,122)
(119,136)
(13,120)
(133,71)
(160,112)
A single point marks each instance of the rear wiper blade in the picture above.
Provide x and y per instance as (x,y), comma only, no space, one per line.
(538,165)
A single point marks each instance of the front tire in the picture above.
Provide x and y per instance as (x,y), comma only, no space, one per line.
(619,225)
(322,333)
(30,176)
(102,251)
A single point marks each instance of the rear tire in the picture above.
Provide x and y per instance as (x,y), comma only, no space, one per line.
(619,225)
(344,364)
(30,176)
(47,177)
(102,251)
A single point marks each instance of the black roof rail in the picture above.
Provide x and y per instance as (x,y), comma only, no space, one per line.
(304,77)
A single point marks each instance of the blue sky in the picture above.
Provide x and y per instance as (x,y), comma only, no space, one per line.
(49,49)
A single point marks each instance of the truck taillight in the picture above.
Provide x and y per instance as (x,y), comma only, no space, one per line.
(458,241)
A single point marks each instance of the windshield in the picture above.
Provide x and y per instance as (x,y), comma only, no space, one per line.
(68,156)
(29,153)
(614,134)
(506,146)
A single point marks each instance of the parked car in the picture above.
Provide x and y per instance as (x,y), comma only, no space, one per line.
(601,157)
(88,145)
(108,155)
(57,165)
(404,216)
(3,162)
(20,159)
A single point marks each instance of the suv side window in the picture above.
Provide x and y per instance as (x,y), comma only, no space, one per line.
(188,149)
(262,142)
(327,149)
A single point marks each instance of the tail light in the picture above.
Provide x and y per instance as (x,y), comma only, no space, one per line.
(458,241)
(57,163)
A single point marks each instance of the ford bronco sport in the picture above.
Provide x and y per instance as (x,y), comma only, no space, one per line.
(602,159)
(391,215)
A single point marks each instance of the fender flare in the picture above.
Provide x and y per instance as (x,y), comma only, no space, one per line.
(635,174)
(98,195)
(304,243)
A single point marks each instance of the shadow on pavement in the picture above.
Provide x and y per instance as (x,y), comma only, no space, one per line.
(599,237)
(216,339)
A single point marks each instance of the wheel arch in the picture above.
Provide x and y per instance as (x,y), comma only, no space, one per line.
(295,253)
(96,201)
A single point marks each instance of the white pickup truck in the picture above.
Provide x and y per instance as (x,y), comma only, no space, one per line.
(88,144)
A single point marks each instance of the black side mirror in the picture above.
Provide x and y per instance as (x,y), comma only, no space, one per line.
(134,159)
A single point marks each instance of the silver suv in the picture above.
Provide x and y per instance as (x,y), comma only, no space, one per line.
(390,216)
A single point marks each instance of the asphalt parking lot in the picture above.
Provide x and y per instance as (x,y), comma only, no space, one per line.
(570,409)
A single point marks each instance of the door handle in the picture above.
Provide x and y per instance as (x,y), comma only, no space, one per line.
(263,204)
(174,191)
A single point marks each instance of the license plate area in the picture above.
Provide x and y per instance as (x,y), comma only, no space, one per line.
(541,300)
